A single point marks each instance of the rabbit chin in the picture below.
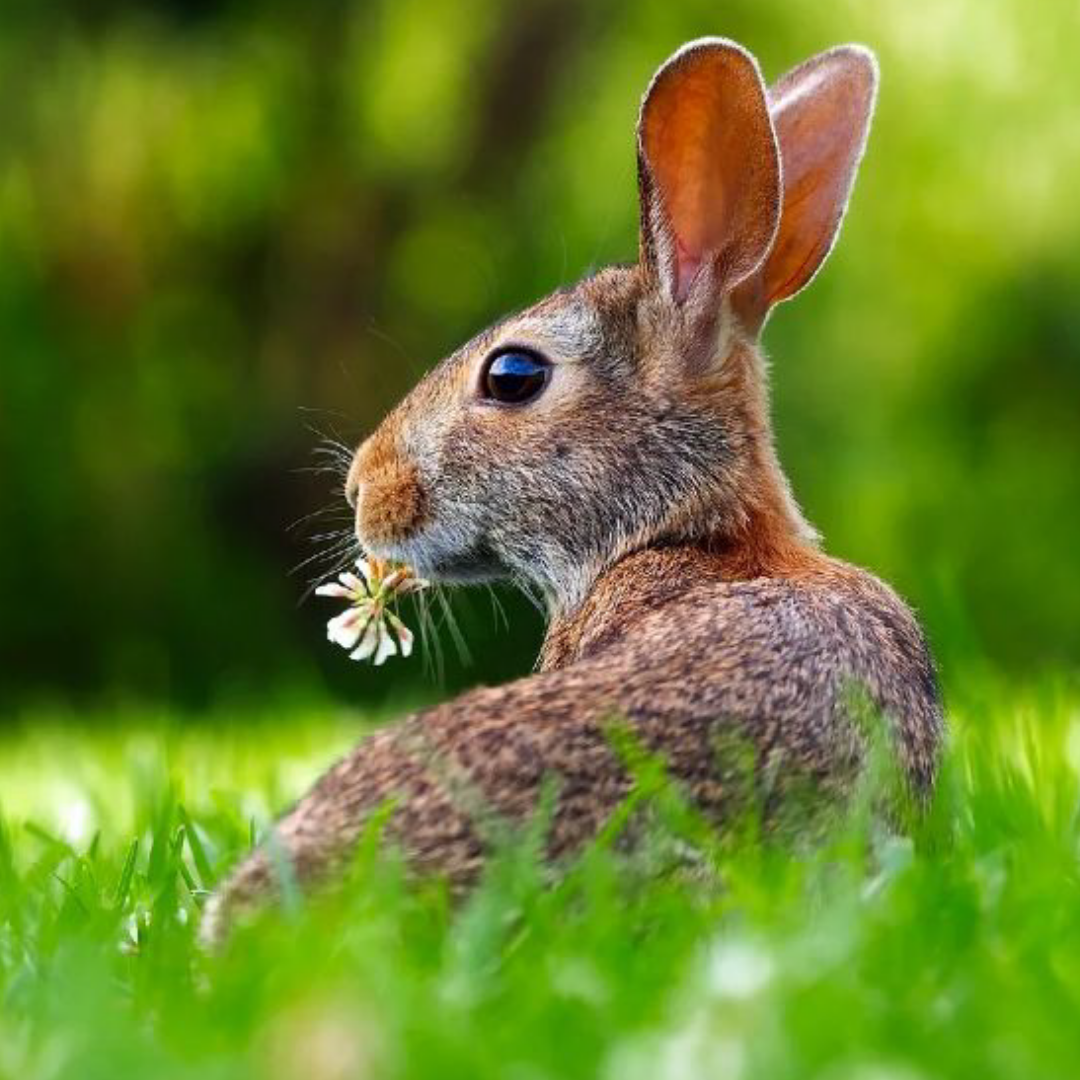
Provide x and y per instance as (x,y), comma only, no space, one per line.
(441,559)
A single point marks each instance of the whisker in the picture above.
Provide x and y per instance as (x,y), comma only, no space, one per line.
(332,436)
(430,642)
(326,554)
(451,624)
(335,452)
(340,559)
(337,468)
(334,534)
(330,514)
(497,610)
(529,591)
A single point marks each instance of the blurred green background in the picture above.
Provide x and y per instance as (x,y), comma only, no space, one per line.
(230,228)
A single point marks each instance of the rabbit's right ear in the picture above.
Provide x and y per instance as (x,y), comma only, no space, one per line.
(708,172)
(821,111)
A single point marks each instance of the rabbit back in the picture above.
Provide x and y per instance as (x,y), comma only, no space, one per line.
(706,673)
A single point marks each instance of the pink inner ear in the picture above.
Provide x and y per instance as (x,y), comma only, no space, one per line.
(687,265)
(708,144)
(692,151)
(821,111)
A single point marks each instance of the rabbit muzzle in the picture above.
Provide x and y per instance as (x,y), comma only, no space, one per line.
(385,491)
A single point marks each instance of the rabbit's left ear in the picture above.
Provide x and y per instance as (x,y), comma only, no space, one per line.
(708,172)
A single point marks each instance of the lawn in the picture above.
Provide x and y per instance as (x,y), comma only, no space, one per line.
(953,951)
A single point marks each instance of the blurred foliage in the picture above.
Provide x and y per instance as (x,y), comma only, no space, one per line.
(228,227)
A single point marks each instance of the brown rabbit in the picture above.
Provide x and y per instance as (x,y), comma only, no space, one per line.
(611,446)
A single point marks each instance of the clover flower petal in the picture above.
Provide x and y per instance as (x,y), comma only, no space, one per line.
(403,633)
(387,646)
(332,588)
(354,584)
(345,629)
(368,642)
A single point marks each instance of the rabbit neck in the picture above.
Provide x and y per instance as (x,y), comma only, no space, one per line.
(644,580)
(744,525)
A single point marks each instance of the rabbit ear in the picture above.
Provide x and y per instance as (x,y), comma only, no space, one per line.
(821,111)
(708,170)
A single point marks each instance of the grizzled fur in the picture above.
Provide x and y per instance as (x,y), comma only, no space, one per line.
(641,494)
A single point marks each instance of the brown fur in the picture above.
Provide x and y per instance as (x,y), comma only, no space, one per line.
(641,494)
(384,488)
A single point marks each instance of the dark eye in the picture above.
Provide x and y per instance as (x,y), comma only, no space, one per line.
(514,378)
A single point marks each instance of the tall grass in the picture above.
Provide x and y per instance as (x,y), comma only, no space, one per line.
(952,950)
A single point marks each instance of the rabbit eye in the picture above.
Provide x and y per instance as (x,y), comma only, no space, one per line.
(515,378)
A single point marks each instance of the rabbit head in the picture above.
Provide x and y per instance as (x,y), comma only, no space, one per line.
(631,408)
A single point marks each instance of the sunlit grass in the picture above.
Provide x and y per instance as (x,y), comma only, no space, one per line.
(954,951)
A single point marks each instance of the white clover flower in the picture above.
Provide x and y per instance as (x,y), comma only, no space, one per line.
(368,627)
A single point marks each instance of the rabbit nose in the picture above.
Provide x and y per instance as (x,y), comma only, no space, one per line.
(352,486)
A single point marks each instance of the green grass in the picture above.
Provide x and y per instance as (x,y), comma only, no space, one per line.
(951,952)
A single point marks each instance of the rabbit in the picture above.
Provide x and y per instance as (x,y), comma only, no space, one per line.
(611,446)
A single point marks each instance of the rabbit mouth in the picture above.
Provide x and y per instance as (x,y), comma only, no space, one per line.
(432,558)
